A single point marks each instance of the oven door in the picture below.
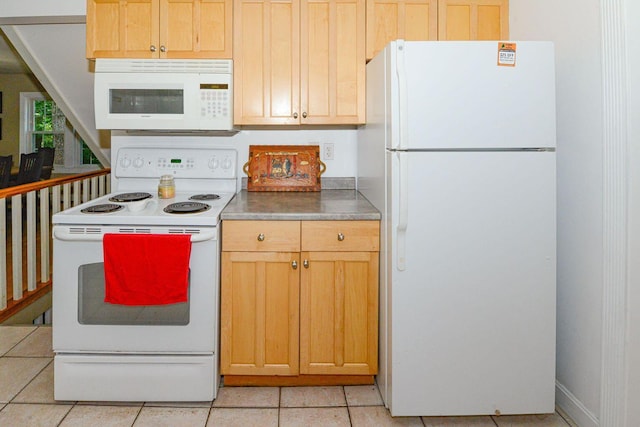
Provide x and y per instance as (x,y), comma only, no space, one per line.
(83,322)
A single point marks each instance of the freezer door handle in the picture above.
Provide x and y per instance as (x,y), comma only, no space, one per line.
(403,107)
(403,207)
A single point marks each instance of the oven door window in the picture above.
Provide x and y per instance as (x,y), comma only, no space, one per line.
(92,310)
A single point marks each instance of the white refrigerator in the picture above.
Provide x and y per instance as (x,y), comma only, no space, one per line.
(458,154)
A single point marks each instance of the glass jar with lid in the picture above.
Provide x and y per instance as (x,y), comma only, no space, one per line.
(166,187)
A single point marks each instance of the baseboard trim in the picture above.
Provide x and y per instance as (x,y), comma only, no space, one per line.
(574,408)
(297,380)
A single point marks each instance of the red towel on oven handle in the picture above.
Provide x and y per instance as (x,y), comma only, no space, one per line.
(146,269)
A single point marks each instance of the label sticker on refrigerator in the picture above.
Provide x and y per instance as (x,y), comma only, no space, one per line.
(506,54)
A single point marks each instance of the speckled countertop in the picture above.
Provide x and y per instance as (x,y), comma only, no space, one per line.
(317,205)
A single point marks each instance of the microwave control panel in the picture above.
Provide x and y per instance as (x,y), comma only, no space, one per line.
(214,100)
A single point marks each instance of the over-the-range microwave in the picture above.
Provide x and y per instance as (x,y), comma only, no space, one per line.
(164,94)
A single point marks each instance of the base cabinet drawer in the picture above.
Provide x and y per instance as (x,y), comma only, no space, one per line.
(251,236)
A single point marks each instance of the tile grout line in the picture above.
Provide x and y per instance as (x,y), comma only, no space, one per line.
(29,382)
(138,415)
(67,414)
(18,343)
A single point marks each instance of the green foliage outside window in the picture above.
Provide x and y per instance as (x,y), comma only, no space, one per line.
(49,130)
(46,124)
(88,158)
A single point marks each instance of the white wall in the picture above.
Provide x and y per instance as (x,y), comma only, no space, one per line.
(40,11)
(574,26)
(55,53)
(633,73)
(50,37)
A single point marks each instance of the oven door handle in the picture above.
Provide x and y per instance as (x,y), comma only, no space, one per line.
(72,237)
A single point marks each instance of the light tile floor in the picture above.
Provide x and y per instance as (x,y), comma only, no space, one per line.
(26,399)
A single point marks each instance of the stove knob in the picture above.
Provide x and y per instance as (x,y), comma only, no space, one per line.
(227,163)
(125,162)
(138,162)
(214,163)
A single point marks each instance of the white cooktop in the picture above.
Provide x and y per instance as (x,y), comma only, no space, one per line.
(146,212)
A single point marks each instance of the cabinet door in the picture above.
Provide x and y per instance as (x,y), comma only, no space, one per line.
(339,313)
(259,313)
(195,28)
(400,19)
(332,76)
(473,19)
(266,57)
(122,28)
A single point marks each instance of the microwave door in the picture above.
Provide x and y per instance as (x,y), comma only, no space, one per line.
(143,101)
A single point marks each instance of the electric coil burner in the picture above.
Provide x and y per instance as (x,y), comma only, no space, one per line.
(143,352)
(129,197)
(186,208)
(102,208)
(209,196)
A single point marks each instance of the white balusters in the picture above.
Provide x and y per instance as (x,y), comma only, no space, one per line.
(45,220)
(31,241)
(16,245)
(40,204)
(3,258)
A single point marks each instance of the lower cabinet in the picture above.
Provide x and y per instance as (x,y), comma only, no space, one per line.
(259,313)
(299,298)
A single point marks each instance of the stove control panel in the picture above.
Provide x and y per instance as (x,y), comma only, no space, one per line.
(133,162)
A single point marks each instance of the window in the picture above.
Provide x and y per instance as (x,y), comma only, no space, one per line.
(44,125)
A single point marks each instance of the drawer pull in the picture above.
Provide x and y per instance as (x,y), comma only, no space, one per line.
(305,263)
(261,237)
(340,237)
(294,264)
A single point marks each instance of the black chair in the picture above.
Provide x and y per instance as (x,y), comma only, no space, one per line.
(30,168)
(47,154)
(5,170)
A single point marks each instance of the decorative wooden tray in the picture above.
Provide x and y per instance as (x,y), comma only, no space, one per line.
(284,168)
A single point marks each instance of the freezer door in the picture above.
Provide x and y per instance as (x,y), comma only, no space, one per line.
(471,317)
(454,95)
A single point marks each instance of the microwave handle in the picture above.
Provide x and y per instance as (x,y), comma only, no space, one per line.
(70,237)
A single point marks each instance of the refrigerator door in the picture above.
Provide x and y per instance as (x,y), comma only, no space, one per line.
(454,95)
(471,317)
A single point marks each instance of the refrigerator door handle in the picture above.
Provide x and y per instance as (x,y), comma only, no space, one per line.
(402,96)
(403,206)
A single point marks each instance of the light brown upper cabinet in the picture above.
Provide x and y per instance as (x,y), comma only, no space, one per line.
(159,29)
(473,19)
(400,19)
(299,62)
(435,20)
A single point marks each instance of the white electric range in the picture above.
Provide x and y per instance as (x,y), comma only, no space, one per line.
(167,352)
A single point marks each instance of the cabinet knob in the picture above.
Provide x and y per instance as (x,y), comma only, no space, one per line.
(294,265)
(163,49)
(152,48)
(260,237)
(340,237)
(305,263)
(295,115)
(304,115)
